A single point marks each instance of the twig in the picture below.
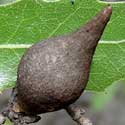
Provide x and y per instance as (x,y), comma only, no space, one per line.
(77,114)
(18,118)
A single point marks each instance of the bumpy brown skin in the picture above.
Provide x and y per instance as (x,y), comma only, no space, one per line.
(53,73)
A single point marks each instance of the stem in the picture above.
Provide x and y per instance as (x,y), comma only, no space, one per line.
(77,114)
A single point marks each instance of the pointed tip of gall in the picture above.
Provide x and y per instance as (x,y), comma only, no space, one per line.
(107,11)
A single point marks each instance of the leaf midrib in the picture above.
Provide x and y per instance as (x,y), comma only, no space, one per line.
(14,46)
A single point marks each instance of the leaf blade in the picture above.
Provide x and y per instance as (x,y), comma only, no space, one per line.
(27,21)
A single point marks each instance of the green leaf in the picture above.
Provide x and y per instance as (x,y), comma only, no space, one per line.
(28,21)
